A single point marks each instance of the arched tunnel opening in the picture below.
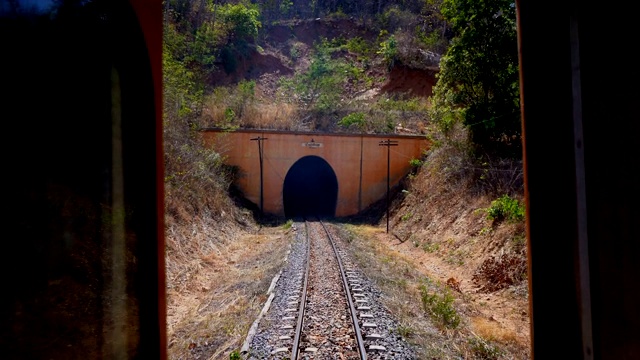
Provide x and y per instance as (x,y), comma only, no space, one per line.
(310,189)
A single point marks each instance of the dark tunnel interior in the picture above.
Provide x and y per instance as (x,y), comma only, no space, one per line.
(310,189)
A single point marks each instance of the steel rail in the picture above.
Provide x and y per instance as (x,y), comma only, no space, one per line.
(303,301)
(352,308)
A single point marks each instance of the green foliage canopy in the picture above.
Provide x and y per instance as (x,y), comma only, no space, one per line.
(241,21)
(356,119)
(389,51)
(506,207)
(478,83)
(181,93)
(240,24)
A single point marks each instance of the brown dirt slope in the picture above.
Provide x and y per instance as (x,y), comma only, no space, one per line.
(273,59)
(442,229)
(409,81)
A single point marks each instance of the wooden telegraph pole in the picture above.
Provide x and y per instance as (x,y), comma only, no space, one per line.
(259,139)
(388,143)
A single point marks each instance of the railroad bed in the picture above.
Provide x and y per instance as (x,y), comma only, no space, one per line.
(310,316)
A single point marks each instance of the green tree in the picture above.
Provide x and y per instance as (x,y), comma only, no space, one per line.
(389,51)
(181,94)
(241,22)
(205,46)
(478,82)
(240,25)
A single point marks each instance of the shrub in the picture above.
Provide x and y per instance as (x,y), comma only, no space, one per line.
(440,307)
(415,162)
(404,331)
(358,45)
(389,51)
(356,119)
(483,350)
(295,52)
(506,208)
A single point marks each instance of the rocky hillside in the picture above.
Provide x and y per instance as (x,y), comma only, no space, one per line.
(289,49)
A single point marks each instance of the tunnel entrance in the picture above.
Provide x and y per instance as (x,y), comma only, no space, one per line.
(310,189)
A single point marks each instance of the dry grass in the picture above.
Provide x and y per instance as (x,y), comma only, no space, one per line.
(247,113)
(217,278)
(280,116)
(437,233)
(492,330)
(399,274)
(399,280)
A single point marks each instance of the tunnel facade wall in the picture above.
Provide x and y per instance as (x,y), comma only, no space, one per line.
(359,162)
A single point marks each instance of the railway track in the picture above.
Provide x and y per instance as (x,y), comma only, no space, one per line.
(331,326)
(323,310)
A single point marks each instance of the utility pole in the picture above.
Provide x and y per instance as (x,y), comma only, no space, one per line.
(260,151)
(388,143)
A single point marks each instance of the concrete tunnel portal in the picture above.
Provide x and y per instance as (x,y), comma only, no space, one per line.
(310,189)
(347,172)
